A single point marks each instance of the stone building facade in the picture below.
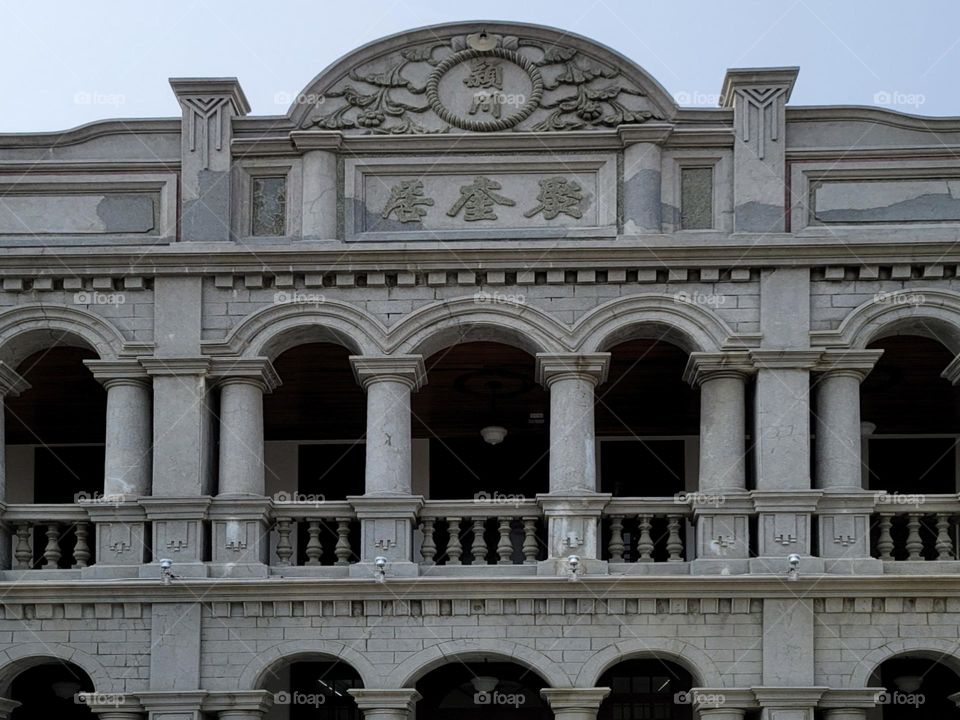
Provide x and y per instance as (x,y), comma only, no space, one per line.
(196,312)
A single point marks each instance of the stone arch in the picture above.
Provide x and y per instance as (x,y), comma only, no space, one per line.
(926,312)
(434,327)
(255,672)
(415,667)
(690,657)
(942,651)
(687,325)
(274,329)
(35,327)
(18,658)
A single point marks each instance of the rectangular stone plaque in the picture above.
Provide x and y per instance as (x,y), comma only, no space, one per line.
(908,200)
(467,198)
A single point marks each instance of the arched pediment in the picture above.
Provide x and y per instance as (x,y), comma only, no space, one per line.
(480,77)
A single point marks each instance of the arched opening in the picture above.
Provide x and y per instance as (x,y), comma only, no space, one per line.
(911,423)
(646,688)
(314,428)
(50,689)
(481,690)
(55,434)
(917,688)
(312,687)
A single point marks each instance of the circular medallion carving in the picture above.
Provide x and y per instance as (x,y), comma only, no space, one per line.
(485,85)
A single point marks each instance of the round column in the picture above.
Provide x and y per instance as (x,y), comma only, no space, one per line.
(129,435)
(571,380)
(837,430)
(845,714)
(386,704)
(241,436)
(723,432)
(388,382)
(575,703)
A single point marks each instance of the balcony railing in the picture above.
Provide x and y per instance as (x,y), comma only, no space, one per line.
(476,533)
(646,530)
(916,528)
(308,536)
(50,537)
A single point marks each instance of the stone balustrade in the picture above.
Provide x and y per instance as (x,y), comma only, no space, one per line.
(49,537)
(646,530)
(310,536)
(917,528)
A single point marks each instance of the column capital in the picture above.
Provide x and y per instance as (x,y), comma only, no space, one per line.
(371,699)
(851,698)
(176,365)
(11,382)
(107,704)
(211,90)
(704,366)
(407,369)
(801,359)
(582,699)
(952,371)
(853,363)
(758,81)
(257,371)
(789,697)
(582,366)
(648,132)
(7,707)
(250,701)
(118,372)
(705,699)
(187,702)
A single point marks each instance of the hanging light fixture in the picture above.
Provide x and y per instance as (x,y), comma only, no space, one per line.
(493,434)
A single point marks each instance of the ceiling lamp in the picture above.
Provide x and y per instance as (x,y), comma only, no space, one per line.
(484,684)
(493,435)
(908,683)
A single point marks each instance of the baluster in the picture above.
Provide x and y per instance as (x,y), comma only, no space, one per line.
(615,548)
(454,546)
(314,548)
(505,544)
(24,551)
(645,543)
(885,539)
(530,548)
(284,548)
(428,548)
(342,548)
(944,544)
(674,542)
(914,541)
(51,553)
(479,547)
(81,550)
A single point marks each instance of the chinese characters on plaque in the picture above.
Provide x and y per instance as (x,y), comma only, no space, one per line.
(478,200)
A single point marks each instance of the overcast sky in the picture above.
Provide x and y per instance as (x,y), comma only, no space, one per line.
(70,62)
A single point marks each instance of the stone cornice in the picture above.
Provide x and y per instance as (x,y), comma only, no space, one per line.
(703,366)
(851,698)
(176,365)
(386,506)
(408,369)
(175,508)
(11,382)
(704,698)
(259,371)
(789,697)
(952,371)
(757,77)
(252,701)
(857,363)
(575,698)
(109,372)
(375,699)
(785,359)
(786,501)
(551,367)
(228,87)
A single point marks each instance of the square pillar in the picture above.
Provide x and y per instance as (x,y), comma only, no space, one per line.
(386,530)
(850,704)
(11,384)
(378,704)
(240,536)
(178,535)
(238,705)
(788,703)
(642,176)
(173,704)
(575,703)
(720,703)
(208,106)
(121,541)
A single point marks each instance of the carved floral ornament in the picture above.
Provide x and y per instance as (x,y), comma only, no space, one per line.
(482,82)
